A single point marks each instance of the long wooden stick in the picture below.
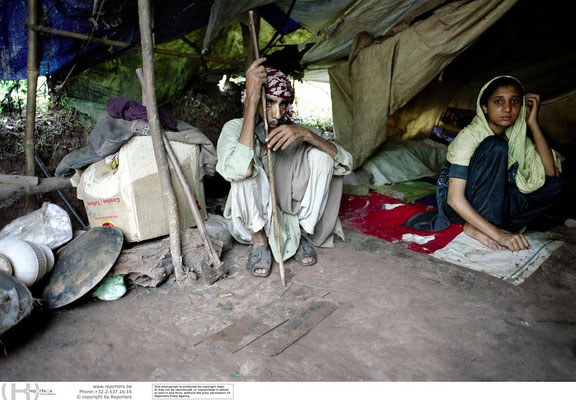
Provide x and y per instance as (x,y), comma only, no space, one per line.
(156,132)
(270,163)
(116,43)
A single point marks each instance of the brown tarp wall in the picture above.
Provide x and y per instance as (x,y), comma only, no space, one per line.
(383,76)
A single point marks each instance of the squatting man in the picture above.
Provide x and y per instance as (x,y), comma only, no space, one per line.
(308,171)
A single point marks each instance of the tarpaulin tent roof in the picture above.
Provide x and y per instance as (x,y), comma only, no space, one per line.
(335,22)
(64,58)
(374,17)
(336,25)
(313,15)
(119,21)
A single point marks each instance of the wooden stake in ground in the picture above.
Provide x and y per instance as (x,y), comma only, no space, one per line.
(156,133)
(270,163)
(32,81)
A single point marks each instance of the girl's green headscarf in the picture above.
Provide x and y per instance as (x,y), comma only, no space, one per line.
(530,175)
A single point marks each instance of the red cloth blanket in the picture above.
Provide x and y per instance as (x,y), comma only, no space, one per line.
(368,214)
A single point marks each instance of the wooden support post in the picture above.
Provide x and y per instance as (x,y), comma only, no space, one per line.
(32,83)
(156,132)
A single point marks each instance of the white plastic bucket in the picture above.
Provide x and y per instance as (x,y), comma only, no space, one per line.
(28,260)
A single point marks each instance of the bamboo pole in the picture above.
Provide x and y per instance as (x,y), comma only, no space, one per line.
(270,163)
(156,133)
(109,42)
(32,83)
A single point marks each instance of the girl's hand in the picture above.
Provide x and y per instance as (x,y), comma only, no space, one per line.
(513,241)
(532,107)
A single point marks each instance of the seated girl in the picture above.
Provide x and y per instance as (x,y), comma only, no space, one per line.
(496,179)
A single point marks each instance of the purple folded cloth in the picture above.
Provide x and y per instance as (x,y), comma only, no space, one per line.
(130,110)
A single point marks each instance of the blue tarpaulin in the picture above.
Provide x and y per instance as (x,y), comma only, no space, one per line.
(114,20)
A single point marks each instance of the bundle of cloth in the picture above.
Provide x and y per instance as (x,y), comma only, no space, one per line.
(125,118)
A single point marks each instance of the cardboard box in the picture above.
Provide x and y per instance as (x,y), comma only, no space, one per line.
(130,196)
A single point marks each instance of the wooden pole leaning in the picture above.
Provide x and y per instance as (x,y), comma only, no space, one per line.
(32,82)
(270,163)
(169,196)
(212,254)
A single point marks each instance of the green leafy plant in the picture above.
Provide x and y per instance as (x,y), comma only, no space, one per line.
(324,123)
(13,94)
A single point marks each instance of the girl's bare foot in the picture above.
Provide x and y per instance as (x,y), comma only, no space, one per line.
(481,237)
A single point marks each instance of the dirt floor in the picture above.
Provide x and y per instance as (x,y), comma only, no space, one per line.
(368,310)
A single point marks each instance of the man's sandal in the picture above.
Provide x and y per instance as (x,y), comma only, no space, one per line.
(259,258)
(305,250)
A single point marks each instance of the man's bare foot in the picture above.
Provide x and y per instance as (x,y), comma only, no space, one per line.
(481,237)
(259,239)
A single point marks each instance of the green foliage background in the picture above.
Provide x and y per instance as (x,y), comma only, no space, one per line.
(172,74)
